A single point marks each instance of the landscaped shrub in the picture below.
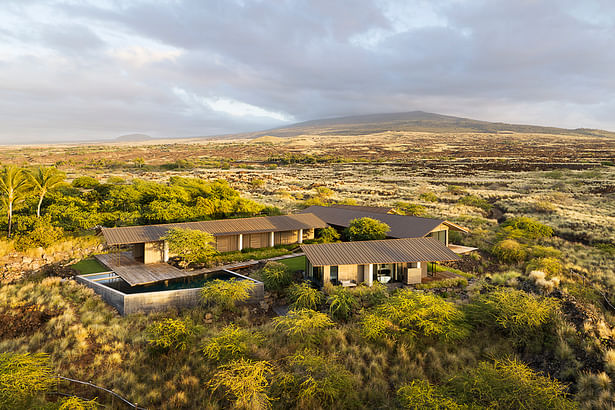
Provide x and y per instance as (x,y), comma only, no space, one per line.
(171,334)
(420,394)
(505,278)
(444,283)
(304,325)
(276,276)
(304,296)
(319,382)
(76,403)
(371,295)
(367,229)
(476,202)
(510,384)
(418,314)
(225,294)
(551,266)
(407,208)
(509,251)
(245,383)
(515,312)
(375,327)
(22,377)
(538,251)
(328,235)
(231,343)
(342,303)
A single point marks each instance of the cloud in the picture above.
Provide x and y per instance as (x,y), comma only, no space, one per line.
(72,69)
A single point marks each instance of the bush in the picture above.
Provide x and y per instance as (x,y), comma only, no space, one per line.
(320,383)
(231,343)
(169,334)
(444,283)
(429,197)
(246,381)
(276,276)
(528,228)
(551,266)
(225,294)
(304,296)
(367,229)
(85,182)
(76,403)
(420,394)
(342,303)
(510,384)
(193,246)
(515,312)
(371,295)
(304,325)
(40,232)
(22,376)
(328,235)
(476,202)
(406,208)
(418,314)
(509,251)
(375,327)
(538,251)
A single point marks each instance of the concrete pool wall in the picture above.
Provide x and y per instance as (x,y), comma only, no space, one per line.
(146,302)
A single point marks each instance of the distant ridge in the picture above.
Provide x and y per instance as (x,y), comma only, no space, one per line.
(418,121)
(133,138)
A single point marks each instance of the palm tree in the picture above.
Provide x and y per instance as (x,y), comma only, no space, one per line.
(44,180)
(13,184)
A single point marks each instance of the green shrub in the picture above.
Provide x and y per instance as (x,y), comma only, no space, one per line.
(407,208)
(420,394)
(505,278)
(551,266)
(429,197)
(304,296)
(367,229)
(342,303)
(476,202)
(76,403)
(304,325)
(510,384)
(245,382)
(85,182)
(276,276)
(39,232)
(328,235)
(319,382)
(418,314)
(509,251)
(538,251)
(515,312)
(528,228)
(22,377)
(231,343)
(371,295)
(444,283)
(225,294)
(171,334)
(375,327)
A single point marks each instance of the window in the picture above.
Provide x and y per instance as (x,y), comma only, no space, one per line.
(333,273)
(317,272)
(439,235)
(413,265)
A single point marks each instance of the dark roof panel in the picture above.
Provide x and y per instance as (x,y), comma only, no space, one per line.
(150,233)
(383,251)
(402,226)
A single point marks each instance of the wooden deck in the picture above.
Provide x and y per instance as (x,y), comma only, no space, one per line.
(138,273)
(440,276)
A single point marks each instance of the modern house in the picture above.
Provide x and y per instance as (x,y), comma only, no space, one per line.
(148,246)
(402,226)
(407,261)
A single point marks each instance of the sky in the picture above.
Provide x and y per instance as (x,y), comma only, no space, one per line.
(86,70)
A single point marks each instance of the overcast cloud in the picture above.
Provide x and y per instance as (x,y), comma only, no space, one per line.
(90,70)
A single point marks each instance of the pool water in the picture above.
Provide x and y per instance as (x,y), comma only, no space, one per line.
(175,284)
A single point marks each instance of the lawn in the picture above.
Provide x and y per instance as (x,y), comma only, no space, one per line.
(89,266)
(294,264)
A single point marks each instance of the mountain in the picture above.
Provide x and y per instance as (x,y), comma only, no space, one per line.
(133,138)
(418,121)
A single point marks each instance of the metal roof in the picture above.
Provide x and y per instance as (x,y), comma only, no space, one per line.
(363,208)
(382,251)
(220,227)
(402,226)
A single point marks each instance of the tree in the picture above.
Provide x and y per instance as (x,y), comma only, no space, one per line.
(328,235)
(43,180)
(13,185)
(191,245)
(367,229)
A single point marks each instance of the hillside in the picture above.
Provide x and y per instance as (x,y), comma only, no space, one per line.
(418,121)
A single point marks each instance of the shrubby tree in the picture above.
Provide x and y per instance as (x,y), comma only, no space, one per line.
(304,296)
(231,343)
(525,228)
(276,276)
(225,294)
(171,334)
(509,251)
(342,303)
(193,246)
(420,394)
(22,377)
(367,229)
(328,235)
(245,382)
(304,325)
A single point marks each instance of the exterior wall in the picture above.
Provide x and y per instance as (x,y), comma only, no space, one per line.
(344,273)
(127,304)
(227,243)
(256,240)
(286,237)
(153,252)
(138,251)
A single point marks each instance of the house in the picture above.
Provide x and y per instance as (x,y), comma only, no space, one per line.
(148,247)
(407,260)
(402,226)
